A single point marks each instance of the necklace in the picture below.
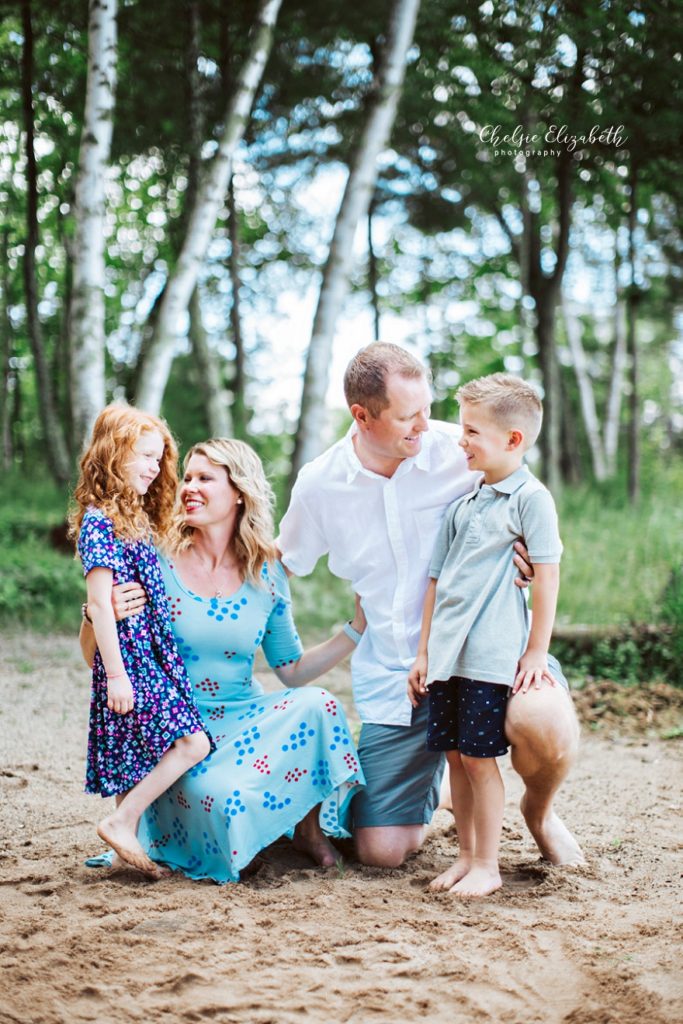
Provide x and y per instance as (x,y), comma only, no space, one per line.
(218,593)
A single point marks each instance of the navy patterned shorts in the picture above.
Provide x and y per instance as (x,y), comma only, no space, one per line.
(468,716)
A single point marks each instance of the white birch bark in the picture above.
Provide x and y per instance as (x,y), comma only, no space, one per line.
(616,388)
(586,393)
(87,300)
(381,113)
(207,361)
(209,200)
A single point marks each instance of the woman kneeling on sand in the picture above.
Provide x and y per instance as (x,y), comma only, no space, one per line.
(284,763)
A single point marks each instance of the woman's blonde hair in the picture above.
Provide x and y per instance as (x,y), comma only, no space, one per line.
(103,479)
(254,529)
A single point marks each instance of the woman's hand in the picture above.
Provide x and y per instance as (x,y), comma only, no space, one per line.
(127,599)
(417,679)
(120,694)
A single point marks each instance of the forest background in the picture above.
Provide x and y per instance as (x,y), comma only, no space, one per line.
(207,209)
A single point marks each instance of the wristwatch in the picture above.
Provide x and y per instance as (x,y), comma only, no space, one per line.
(352,633)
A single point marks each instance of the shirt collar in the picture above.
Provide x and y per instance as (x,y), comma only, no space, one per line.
(511,483)
(422,460)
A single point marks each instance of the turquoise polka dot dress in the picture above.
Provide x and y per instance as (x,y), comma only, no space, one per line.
(277,755)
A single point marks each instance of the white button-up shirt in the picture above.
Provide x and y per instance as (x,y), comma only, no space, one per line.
(379,533)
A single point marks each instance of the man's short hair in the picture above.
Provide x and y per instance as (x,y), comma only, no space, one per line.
(509,400)
(365,380)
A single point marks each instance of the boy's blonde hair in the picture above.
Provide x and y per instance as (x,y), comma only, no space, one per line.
(509,400)
(103,480)
(254,530)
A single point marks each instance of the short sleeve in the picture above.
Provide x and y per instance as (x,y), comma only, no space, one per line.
(97,545)
(540,527)
(444,539)
(301,542)
(281,643)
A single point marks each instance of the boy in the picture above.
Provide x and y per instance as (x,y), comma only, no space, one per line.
(476,643)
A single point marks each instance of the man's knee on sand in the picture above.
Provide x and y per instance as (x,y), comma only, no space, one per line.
(542,728)
(387,847)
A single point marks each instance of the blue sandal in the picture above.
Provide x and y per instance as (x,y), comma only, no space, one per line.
(102,860)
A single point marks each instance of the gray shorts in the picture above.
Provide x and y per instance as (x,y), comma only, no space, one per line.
(403,778)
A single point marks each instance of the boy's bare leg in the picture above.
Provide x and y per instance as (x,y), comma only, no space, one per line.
(543,732)
(119,829)
(462,806)
(488,803)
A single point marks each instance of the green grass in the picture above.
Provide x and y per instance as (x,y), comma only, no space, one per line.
(615,567)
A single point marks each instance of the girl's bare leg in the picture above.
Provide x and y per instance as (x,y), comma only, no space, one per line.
(119,829)
(488,794)
(462,806)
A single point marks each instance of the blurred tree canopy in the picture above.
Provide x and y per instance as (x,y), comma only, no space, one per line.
(526,213)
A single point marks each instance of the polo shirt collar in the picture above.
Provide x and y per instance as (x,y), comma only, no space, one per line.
(354,466)
(511,483)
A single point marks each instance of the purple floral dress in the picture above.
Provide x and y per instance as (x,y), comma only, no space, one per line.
(123,749)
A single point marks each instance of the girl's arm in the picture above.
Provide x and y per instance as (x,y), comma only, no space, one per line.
(119,688)
(320,659)
(533,665)
(127,599)
(417,677)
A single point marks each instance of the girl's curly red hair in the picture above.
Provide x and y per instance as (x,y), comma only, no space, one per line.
(103,479)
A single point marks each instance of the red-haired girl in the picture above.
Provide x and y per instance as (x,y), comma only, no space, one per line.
(145,730)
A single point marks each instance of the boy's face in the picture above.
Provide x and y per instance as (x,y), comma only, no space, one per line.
(488,447)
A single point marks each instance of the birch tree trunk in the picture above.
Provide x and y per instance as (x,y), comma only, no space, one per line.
(381,113)
(240,413)
(372,274)
(631,345)
(208,367)
(586,393)
(6,350)
(202,220)
(53,436)
(87,297)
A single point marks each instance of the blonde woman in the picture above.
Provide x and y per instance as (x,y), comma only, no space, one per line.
(285,763)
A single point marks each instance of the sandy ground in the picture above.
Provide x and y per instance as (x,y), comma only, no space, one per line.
(600,943)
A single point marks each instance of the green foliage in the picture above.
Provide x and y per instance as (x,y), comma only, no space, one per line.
(672,614)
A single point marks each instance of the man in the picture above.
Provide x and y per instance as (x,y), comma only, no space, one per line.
(373,503)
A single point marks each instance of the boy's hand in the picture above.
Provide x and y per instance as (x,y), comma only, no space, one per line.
(120,695)
(531,671)
(417,679)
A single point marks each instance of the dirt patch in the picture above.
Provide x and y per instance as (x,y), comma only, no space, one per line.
(598,944)
(651,709)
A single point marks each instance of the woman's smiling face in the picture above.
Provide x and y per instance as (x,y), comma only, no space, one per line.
(206,492)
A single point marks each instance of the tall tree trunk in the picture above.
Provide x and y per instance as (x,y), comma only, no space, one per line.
(586,394)
(87,297)
(240,415)
(6,373)
(208,366)
(202,220)
(55,448)
(616,384)
(381,112)
(632,348)
(372,273)
(550,441)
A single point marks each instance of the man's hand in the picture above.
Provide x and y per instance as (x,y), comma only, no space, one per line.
(127,599)
(120,695)
(417,679)
(531,671)
(521,560)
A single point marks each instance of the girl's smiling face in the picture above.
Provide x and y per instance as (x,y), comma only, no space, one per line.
(142,468)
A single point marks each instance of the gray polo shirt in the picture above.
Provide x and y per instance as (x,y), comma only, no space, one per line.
(480,625)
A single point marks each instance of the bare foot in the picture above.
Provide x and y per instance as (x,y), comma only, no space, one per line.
(319,848)
(478,882)
(447,879)
(552,837)
(125,843)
